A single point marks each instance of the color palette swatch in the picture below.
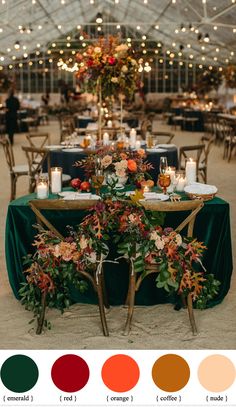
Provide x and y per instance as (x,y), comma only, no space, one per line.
(98,378)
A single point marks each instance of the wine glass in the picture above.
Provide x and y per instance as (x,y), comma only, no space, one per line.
(163,165)
(164,182)
(97,180)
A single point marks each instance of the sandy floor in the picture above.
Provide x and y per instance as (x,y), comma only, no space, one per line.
(158,327)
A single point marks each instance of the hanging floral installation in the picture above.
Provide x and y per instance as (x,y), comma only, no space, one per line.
(110,64)
(230,76)
(208,80)
(59,263)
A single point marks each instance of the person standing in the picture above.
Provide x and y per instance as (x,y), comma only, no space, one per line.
(12,106)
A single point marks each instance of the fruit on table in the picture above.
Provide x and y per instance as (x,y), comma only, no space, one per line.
(85,186)
(75,183)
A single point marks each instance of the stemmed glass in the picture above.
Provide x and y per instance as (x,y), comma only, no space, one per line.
(163,165)
(164,182)
(97,180)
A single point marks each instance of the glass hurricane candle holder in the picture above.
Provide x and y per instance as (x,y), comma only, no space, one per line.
(164,182)
(56,179)
(42,189)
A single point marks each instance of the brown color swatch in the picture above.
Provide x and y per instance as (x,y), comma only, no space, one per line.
(170,373)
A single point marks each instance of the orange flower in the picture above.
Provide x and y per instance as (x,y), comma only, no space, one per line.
(132,166)
(123,156)
(141,152)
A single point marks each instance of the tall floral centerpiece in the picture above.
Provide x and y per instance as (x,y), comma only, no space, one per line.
(107,68)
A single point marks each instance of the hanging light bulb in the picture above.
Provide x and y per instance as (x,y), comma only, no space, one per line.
(206,38)
(17,45)
(99,18)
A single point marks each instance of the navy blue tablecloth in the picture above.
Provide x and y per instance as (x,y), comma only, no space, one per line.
(66,159)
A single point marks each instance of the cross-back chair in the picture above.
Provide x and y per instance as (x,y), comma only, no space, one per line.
(202,167)
(135,280)
(35,157)
(96,278)
(195,151)
(162,137)
(15,170)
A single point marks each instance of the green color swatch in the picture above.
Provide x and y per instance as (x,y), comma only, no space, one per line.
(19,373)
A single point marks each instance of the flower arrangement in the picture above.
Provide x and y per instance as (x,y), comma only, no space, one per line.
(111,64)
(129,164)
(59,263)
(208,81)
(230,76)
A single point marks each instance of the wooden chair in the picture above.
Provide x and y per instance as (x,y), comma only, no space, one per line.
(161,137)
(15,170)
(35,157)
(95,278)
(202,167)
(38,139)
(195,151)
(135,280)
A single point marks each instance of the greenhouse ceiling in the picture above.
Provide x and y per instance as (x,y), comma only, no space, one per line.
(204,30)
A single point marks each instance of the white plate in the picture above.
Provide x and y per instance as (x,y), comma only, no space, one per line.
(165,145)
(73,150)
(201,189)
(154,196)
(54,147)
(156,150)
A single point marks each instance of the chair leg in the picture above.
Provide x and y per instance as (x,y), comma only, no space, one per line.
(191,314)
(101,305)
(131,299)
(41,317)
(13,187)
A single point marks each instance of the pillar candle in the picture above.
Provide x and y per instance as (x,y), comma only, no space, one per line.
(42,190)
(109,123)
(191,171)
(106,139)
(132,135)
(171,172)
(181,184)
(56,178)
(138,144)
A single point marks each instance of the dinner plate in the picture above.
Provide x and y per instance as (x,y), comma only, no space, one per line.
(72,150)
(166,145)
(154,196)
(54,147)
(156,150)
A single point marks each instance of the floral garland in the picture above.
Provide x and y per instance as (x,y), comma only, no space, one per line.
(110,64)
(59,263)
(129,164)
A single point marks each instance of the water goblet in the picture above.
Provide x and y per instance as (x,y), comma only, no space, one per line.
(164,182)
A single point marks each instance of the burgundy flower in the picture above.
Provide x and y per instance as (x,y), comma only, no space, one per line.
(111,60)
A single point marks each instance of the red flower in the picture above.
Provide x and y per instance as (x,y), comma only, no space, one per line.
(111,60)
(90,62)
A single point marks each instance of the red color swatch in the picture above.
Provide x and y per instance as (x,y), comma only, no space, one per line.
(70,373)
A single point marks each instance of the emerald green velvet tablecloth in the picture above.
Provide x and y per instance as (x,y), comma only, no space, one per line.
(212,227)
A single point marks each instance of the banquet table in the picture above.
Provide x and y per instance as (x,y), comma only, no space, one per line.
(66,158)
(212,227)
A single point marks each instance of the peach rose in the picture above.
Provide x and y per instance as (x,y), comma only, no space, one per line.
(132,166)
(141,152)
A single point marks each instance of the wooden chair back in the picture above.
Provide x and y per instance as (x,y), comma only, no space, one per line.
(195,151)
(208,143)
(161,137)
(35,157)
(37,139)
(8,151)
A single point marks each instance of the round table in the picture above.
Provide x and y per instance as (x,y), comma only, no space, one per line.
(66,159)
